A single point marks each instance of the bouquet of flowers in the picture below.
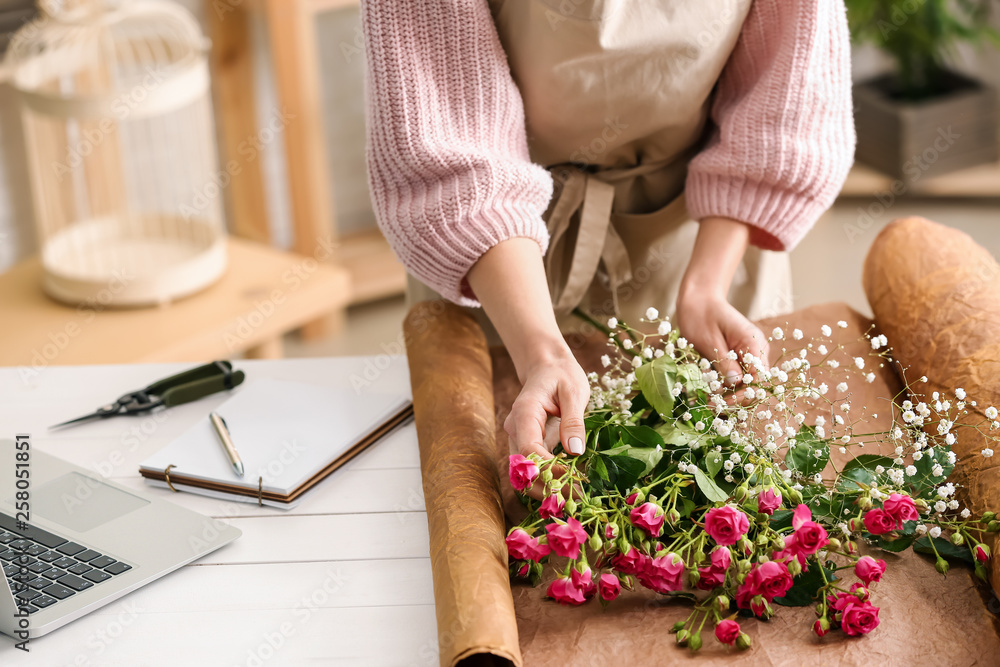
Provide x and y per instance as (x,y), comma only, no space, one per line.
(693,489)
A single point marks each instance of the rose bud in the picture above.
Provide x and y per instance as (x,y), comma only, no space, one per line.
(546,475)
(941,566)
(595,542)
(981,552)
(693,577)
(741,492)
(993,526)
(957,539)
(794,567)
(523,572)
(683,636)
(778,544)
(611,531)
(853,525)
(768,500)
(673,516)
(851,547)
(865,503)
(694,643)
(988,516)
(609,587)
(795,496)
(721,603)
(678,626)
(821,626)
(571,506)
(833,544)
(860,593)
(743,642)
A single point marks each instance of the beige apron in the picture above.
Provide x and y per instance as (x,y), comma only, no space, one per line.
(617,96)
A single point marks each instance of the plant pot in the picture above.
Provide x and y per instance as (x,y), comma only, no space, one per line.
(911,140)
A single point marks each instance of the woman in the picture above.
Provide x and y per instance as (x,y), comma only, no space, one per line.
(685,142)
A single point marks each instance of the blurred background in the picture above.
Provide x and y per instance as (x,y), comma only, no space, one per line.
(283,150)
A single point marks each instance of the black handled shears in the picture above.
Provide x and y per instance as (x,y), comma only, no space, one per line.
(174,390)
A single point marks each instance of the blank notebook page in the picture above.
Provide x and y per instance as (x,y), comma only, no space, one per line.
(284,431)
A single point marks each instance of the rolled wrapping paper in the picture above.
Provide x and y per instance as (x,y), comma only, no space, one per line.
(452,380)
(936,295)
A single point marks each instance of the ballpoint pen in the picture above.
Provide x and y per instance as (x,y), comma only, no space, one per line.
(219,424)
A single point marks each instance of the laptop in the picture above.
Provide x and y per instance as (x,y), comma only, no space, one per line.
(88,542)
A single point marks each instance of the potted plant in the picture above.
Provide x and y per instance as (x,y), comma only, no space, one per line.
(923,119)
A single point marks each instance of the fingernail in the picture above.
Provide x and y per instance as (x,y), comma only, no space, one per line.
(732,377)
(575,445)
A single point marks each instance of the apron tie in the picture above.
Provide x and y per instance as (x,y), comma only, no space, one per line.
(576,251)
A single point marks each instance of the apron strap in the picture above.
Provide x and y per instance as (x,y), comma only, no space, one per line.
(595,240)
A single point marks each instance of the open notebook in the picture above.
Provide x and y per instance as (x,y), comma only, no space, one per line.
(290,435)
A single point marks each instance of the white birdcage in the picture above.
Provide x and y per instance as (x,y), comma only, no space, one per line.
(121,149)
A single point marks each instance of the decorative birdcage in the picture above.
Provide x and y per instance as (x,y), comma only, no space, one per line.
(118,127)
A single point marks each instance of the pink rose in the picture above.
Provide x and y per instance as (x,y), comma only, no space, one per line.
(552,506)
(869,569)
(630,562)
(748,596)
(810,537)
(522,546)
(663,574)
(564,591)
(773,579)
(727,631)
(649,517)
(609,587)
(878,522)
(726,525)
(610,531)
(981,552)
(900,508)
(858,618)
(714,575)
(768,501)
(524,570)
(522,471)
(584,581)
(565,539)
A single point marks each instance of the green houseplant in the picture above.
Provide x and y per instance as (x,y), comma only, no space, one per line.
(924,118)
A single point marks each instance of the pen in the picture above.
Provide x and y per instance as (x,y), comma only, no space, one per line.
(219,424)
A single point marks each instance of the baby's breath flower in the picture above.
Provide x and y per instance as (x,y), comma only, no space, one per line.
(935,531)
(647,352)
(663,328)
(991,413)
(859,362)
(842,324)
(966,513)
(797,334)
(778,334)
(652,314)
(987,452)
(911,471)
(960,394)
(605,361)
(826,331)
(627,343)
(842,387)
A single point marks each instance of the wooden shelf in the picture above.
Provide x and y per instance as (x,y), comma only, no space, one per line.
(981,181)
(264,293)
(372,265)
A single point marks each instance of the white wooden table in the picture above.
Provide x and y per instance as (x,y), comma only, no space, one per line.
(343,579)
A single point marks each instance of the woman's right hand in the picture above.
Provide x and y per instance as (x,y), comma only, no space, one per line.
(509,280)
(552,387)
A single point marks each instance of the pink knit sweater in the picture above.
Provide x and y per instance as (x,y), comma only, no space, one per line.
(448,157)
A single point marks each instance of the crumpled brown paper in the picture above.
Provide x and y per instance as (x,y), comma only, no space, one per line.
(922,613)
(453,408)
(936,294)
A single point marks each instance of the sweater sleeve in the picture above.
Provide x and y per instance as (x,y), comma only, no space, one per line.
(784,138)
(447,151)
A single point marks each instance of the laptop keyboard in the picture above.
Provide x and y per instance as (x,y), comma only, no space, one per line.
(55,567)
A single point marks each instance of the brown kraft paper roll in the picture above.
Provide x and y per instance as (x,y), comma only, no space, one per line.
(452,380)
(936,295)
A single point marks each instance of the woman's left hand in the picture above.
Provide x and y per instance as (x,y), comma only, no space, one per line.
(704,314)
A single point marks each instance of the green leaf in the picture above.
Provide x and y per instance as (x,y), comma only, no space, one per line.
(647,456)
(924,482)
(714,463)
(599,468)
(944,547)
(781,519)
(899,544)
(861,469)
(656,381)
(629,470)
(690,376)
(810,455)
(676,433)
(803,591)
(687,506)
(709,488)
(640,436)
